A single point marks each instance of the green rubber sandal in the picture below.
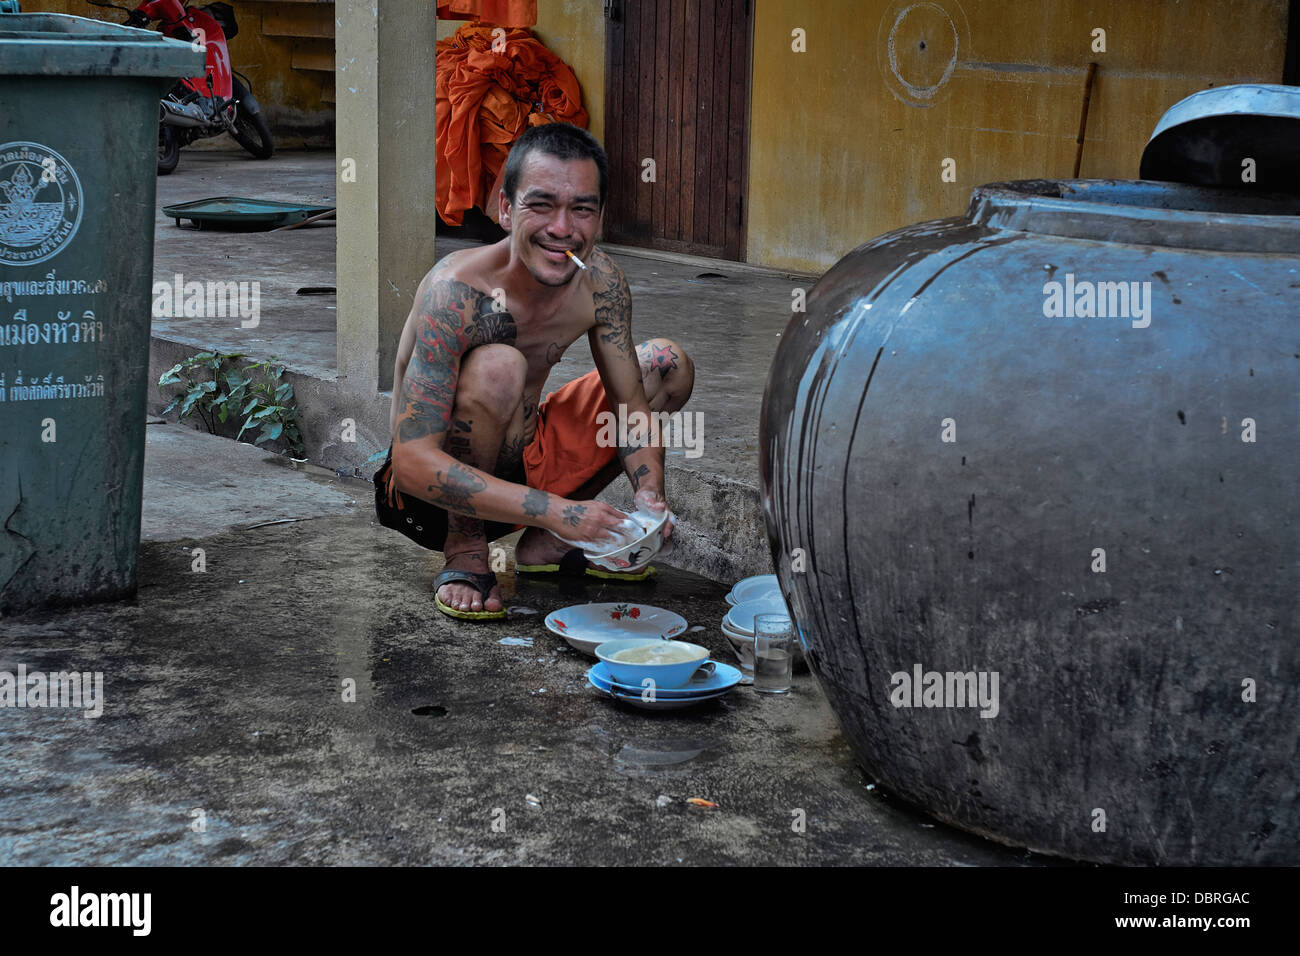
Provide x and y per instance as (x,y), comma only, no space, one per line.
(482,582)
(574,565)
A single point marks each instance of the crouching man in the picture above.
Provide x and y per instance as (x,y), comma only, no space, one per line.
(476,453)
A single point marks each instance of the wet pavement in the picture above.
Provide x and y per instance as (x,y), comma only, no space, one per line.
(225,736)
(282,689)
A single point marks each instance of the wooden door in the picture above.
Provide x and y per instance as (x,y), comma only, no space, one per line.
(677,92)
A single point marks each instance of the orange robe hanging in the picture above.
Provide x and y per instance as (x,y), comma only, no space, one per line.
(485,101)
(503,13)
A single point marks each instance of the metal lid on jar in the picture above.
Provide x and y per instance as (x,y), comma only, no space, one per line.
(1244,136)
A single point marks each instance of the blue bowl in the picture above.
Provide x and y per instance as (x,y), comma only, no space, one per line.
(663,675)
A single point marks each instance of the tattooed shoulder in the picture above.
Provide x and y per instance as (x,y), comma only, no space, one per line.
(612,302)
(444,316)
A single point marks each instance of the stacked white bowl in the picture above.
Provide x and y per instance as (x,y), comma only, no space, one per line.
(749,597)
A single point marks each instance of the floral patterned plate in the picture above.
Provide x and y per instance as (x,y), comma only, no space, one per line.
(587,626)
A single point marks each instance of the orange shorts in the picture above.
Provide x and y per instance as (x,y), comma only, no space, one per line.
(560,459)
(564,455)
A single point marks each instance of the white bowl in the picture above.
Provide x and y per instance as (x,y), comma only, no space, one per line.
(752,588)
(741,617)
(740,642)
(634,556)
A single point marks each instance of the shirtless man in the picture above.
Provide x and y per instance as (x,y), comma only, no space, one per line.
(475,452)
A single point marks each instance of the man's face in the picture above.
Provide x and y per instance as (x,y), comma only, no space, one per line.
(556,207)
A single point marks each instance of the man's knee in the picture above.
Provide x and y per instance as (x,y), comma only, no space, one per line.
(491,381)
(666,363)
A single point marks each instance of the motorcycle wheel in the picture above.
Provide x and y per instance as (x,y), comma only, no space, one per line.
(251,131)
(169,149)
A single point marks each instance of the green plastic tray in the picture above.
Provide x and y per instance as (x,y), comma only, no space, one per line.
(235,212)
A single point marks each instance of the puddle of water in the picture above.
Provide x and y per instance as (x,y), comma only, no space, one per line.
(516,641)
(648,754)
(635,758)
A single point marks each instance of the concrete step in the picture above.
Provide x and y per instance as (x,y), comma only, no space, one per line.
(721,532)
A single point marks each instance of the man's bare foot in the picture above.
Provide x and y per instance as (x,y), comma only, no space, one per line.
(538,547)
(463,596)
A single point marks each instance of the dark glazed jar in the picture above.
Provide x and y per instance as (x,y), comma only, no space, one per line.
(1085,522)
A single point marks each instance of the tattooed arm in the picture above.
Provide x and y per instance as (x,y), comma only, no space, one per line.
(448,319)
(620,371)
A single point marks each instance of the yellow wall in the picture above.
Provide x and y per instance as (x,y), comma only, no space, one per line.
(296,111)
(575,31)
(837,158)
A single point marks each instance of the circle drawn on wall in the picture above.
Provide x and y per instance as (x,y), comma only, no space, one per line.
(40,203)
(918,45)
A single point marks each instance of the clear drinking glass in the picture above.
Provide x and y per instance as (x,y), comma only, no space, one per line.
(745,651)
(773,653)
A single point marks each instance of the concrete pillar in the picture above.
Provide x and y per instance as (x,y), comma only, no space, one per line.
(384,71)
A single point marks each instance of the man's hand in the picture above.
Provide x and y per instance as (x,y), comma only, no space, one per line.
(651,500)
(592,521)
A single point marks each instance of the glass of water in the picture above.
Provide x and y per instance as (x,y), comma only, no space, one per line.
(746,654)
(773,653)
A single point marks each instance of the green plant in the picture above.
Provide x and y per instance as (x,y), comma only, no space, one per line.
(213,386)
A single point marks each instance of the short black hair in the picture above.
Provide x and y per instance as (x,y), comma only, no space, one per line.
(561,140)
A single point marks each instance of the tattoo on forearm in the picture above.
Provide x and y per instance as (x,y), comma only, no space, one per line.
(455,487)
(638,475)
(573,514)
(633,446)
(536,503)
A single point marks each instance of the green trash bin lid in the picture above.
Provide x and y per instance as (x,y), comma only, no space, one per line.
(57,44)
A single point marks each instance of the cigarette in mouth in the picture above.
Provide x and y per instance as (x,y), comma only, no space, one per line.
(581,265)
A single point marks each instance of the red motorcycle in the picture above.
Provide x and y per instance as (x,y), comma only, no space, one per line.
(208,105)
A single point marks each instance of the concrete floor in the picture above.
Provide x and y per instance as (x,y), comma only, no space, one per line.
(223,694)
(224,688)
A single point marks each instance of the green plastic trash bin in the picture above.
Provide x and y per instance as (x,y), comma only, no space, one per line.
(78,158)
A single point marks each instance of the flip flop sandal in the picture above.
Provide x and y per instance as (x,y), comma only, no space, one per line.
(574,565)
(482,582)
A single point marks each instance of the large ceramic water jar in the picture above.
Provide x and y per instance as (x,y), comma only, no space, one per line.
(1043,463)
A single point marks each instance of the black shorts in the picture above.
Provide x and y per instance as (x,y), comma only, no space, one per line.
(422,522)
(565,453)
